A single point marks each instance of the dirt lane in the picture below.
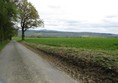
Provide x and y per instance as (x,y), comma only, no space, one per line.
(20,65)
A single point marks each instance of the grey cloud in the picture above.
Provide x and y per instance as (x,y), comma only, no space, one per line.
(52,24)
(112,16)
(106,24)
(72,23)
(54,7)
(77,26)
(64,22)
(76,23)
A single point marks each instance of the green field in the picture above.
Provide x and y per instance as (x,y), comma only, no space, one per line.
(107,47)
(88,53)
(87,43)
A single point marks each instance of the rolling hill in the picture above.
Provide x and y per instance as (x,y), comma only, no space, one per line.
(51,33)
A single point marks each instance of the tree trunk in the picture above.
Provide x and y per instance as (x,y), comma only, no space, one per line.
(23,33)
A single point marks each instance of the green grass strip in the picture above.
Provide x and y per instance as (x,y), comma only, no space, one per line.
(3,44)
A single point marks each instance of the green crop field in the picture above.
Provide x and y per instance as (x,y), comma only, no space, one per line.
(90,53)
(87,43)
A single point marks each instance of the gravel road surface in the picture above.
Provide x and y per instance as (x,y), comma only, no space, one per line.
(20,65)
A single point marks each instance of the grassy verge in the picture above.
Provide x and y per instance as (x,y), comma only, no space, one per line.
(2,45)
(97,65)
(17,39)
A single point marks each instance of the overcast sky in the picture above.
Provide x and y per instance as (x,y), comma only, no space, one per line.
(79,15)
